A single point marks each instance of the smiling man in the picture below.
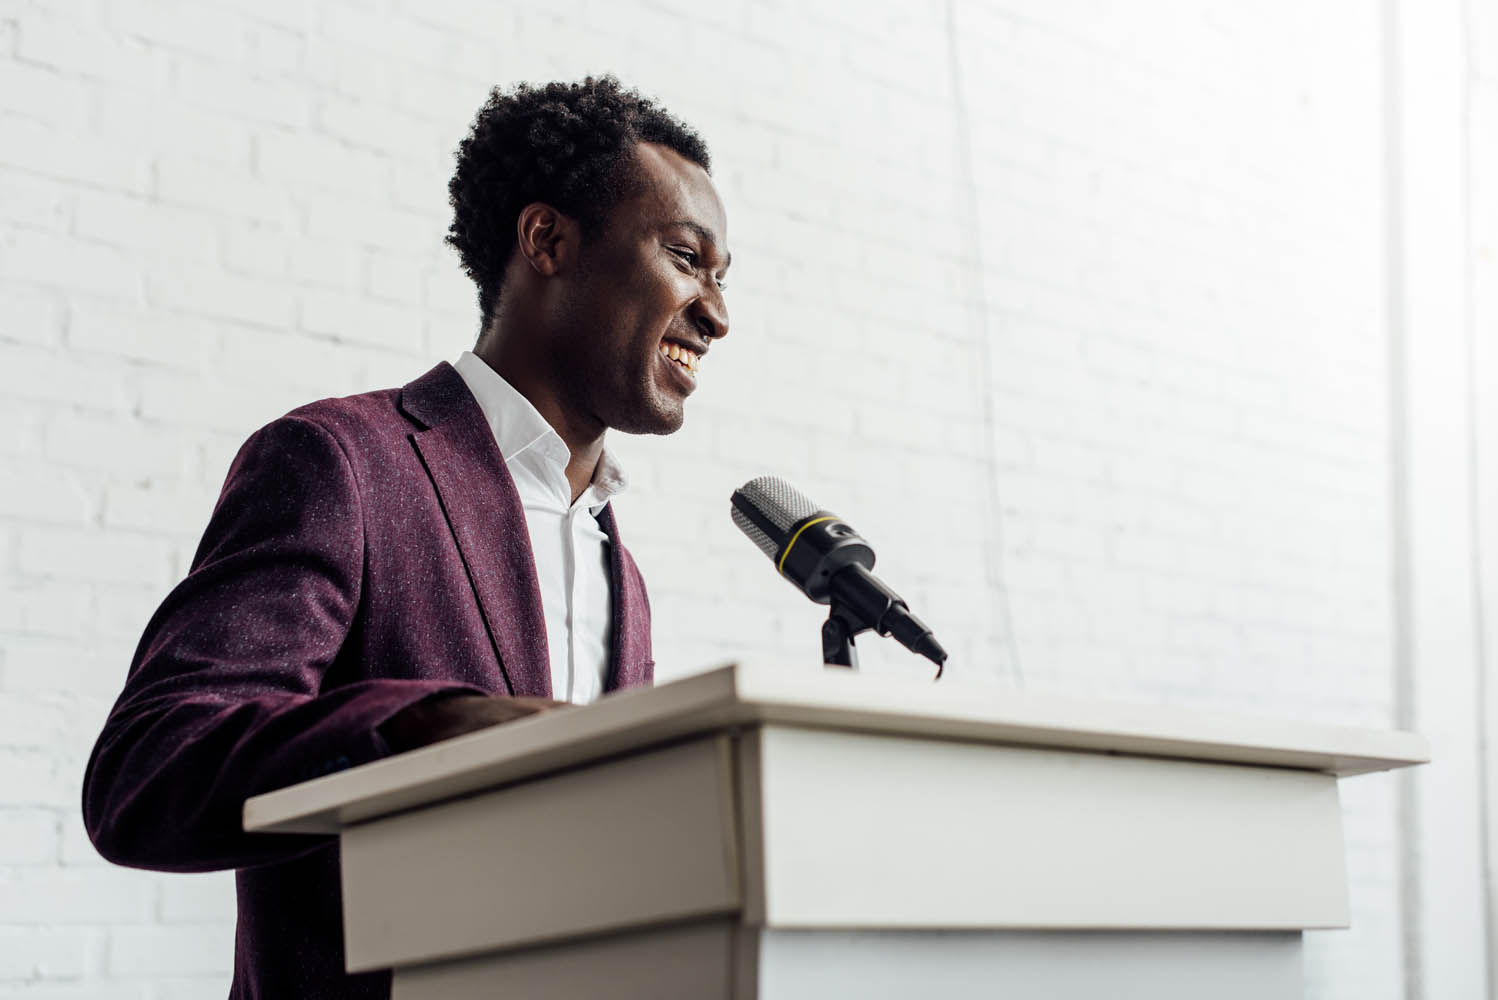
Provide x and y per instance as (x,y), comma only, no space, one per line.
(386,570)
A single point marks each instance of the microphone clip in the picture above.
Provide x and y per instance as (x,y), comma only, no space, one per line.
(838,630)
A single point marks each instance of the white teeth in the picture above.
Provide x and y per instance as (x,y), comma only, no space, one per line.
(683,356)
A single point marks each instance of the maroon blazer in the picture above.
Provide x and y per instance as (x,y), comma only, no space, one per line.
(365,553)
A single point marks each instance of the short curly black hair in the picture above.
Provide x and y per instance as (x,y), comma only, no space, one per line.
(569,145)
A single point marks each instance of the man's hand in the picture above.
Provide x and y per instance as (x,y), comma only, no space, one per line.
(447,716)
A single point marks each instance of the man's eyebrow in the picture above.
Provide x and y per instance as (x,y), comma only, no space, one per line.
(705,234)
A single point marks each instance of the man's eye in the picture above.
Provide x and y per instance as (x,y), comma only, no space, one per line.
(689,257)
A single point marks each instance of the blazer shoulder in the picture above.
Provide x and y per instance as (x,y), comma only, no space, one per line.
(433,398)
(341,415)
(362,424)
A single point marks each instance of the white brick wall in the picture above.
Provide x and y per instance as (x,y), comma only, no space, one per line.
(1104,305)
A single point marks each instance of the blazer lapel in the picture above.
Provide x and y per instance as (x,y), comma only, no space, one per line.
(632,664)
(482,508)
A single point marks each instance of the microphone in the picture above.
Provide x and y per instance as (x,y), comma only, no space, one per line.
(830,563)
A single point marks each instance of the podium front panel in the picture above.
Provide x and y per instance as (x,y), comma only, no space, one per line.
(717,959)
(876,831)
(617,844)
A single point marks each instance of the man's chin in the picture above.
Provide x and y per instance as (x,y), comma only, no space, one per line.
(661,426)
(658,419)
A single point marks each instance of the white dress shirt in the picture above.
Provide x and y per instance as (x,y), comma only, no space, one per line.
(570,549)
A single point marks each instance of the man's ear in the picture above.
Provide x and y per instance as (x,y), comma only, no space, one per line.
(548,239)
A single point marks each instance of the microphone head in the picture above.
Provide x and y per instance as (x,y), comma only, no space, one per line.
(765,509)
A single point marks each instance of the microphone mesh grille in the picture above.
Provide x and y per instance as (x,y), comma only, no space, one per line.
(748,527)
(777,502)
(780,502)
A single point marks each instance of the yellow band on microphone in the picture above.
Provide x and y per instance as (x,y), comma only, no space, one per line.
(790,544)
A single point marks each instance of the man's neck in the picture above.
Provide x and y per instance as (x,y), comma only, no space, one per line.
(584,441)
(580,470)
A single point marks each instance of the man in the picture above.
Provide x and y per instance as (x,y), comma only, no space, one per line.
(386,570)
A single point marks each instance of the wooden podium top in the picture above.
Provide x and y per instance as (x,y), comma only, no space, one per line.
(741,695)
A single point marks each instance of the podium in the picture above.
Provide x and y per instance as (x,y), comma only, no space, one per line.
(816,833)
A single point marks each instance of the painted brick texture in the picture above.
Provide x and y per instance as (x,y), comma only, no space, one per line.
(1073,310)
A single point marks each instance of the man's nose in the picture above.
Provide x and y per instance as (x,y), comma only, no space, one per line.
(712,314)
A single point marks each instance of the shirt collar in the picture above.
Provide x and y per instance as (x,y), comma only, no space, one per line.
(520,430)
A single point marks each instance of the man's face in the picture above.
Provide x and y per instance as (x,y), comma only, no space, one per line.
(648,284)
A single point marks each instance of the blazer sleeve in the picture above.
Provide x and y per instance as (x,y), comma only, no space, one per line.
(225,696)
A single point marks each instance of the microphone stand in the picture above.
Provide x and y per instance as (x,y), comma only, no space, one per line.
(838,630)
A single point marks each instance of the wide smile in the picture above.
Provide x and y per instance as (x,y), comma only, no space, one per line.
(683,363)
